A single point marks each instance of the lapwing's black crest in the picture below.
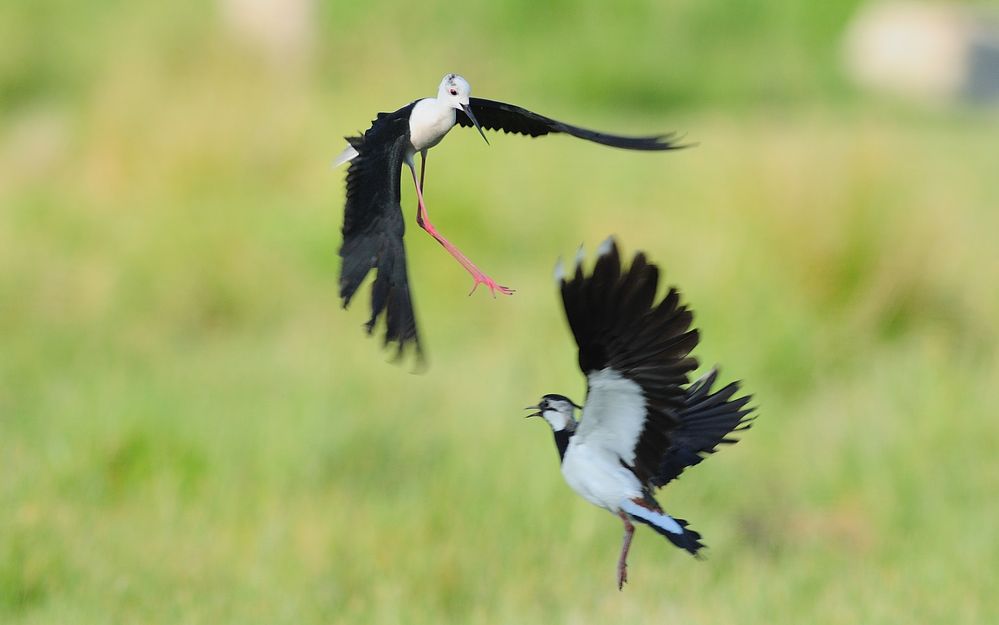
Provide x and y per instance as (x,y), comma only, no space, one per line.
(642,423)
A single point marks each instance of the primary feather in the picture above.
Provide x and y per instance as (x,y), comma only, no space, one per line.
(493,115)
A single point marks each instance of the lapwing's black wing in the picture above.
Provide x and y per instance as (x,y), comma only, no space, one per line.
(635,354)
(493,115)
(373,228)
(708,419)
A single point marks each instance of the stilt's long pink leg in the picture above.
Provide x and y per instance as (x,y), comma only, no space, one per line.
(423,219)
(622,562)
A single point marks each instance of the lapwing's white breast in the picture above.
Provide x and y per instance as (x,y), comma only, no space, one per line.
(598,476)
(612,421)
(429,121)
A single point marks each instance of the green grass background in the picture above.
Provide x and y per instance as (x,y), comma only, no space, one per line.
(193,431)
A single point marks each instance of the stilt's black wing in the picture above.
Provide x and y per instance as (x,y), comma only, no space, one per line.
(709,419)
(373,228)
(635,354)
(493,115)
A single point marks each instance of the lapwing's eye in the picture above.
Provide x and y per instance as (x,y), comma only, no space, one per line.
(454,92)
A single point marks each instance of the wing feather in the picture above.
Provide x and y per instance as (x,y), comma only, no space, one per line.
(635,355)
(709,419)
(373,229)
(493,115)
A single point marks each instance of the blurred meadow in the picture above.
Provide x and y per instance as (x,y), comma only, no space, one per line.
(193,431)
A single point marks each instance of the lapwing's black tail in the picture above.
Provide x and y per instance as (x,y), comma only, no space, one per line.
(689,540)
(675,530)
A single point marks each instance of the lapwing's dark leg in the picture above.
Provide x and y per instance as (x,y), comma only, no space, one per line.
(622,562)
(423,219)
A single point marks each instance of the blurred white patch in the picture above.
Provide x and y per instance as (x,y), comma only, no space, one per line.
(284,30)
(924,51)
(580,256)
(33,145)
(606,246)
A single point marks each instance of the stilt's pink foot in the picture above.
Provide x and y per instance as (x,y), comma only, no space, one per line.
(622,576)
(423,220)
(482,278)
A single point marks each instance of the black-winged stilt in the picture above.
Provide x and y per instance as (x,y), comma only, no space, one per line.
(373,224)
(642,424)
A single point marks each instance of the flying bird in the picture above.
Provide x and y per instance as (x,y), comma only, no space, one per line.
(642,423)
(373,225)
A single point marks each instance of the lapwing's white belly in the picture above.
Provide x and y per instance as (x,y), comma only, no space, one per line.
(597,477)
(429,122)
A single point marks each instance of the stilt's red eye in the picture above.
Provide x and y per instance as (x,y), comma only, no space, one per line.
(454,92)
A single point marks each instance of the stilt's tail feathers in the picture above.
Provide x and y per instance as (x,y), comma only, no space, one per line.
(348,154)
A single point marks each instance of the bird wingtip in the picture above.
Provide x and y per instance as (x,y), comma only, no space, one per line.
(559,271)
(607,246)
(580,256)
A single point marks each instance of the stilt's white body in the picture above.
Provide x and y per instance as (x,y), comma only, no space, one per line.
(430,120)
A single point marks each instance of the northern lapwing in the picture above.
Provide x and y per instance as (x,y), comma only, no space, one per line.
(373,224)
(642,423)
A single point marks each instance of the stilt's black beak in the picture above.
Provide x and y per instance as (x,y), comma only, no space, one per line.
(535,414)
(475,122)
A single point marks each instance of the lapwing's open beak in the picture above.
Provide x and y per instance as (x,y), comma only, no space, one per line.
(533,414)
(475,122)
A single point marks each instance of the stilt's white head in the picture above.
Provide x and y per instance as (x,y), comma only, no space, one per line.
(454,92)
(557,410)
